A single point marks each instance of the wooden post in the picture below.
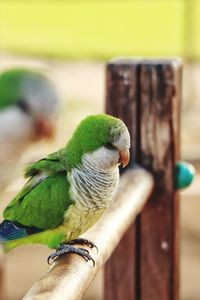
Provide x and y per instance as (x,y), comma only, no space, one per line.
(146,95)
(121,101)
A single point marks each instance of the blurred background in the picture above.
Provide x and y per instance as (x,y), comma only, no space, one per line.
(70,41)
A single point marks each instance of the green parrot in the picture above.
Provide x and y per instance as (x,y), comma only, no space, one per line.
(69,190)
(28,108)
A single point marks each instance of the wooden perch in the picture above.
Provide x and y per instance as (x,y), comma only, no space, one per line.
(69,277)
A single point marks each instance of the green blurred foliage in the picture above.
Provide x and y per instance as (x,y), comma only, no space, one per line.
(100,29)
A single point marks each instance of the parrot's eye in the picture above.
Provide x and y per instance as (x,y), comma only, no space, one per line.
(110,146)
(22,104)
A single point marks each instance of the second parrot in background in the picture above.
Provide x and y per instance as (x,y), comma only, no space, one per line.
(28,106)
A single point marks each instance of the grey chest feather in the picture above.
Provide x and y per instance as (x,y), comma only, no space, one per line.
(93,189)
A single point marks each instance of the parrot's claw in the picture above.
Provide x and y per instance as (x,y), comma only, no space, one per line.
(85,242)
(67,248)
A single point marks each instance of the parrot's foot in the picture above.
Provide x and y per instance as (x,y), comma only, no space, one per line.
(85,242)
(67,248)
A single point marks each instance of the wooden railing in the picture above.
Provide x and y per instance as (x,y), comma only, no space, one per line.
(144,265)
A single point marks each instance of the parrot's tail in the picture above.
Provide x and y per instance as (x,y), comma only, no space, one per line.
(9,235)
(10,231)
(12,234)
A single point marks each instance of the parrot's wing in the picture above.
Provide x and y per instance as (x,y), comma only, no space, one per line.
(50,165)
(38,171)
(43,206)
(45,197)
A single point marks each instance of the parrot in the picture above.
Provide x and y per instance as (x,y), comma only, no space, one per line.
(28,109)
(69,190)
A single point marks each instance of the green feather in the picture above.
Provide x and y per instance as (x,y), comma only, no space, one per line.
(91,134)
(50,238)
(50,165)
(43,206)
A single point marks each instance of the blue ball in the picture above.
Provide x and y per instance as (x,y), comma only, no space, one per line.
(184,175)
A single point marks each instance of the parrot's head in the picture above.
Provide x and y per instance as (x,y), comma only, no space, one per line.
(32,96)
(100,140)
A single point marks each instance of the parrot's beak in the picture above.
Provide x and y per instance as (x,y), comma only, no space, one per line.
(124,157)
(44,128)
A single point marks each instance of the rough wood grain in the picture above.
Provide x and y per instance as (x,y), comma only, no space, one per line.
(146,95)
(121,101)
(69,277)
(159,150)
